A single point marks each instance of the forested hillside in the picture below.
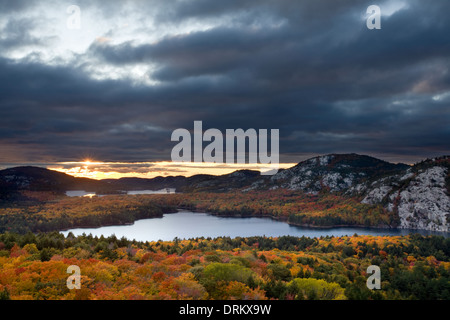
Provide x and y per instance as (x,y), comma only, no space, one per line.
(412,267)
(295,207)
(335,189)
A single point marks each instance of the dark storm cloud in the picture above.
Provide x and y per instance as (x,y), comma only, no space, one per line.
(195,55)
(16,5)
(66,113)
(309,68)
(16,34)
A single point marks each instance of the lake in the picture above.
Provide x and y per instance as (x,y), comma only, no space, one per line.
(186,224)
(82,193)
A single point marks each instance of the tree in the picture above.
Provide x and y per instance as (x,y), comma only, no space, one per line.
(280,272)
(315,289)
(4,295)
(45,254)
(217,275)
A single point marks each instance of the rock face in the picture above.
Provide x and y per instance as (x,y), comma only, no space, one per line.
(334,172)
(420,197)
(424,204)
(419,194)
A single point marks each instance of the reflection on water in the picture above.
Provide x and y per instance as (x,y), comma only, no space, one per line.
(82,193)
(186,224)
(77,193)
(162,191)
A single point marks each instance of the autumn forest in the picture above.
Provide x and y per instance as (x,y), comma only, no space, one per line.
(34,256)
(46,211)
(413,267)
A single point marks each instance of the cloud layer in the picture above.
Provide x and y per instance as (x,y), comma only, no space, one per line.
(115,89)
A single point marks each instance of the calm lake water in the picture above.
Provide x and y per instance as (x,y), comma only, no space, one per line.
(82,193)
(186,224)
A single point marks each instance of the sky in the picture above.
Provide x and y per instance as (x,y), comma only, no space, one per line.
(100,96)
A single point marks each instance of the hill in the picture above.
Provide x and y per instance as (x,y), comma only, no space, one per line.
(334,172)
(14,180)
(418,194)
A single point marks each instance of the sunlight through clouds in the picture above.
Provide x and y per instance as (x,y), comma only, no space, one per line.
(134,71)
(53,43)
(115,170)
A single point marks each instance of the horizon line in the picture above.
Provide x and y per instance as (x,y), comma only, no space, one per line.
(98,170)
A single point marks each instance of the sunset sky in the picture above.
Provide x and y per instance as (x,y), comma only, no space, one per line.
(112,91)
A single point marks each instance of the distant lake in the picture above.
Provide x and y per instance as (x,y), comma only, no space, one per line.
(186,224)
(82,193)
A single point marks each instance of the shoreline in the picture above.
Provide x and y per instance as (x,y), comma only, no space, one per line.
(285,220)
(111,224)
(181,209)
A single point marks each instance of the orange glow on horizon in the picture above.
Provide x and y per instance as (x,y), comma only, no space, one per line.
(116,170)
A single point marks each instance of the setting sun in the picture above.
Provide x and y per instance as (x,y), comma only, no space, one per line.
(115,170)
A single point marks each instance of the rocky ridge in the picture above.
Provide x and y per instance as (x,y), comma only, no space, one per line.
(419,194)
